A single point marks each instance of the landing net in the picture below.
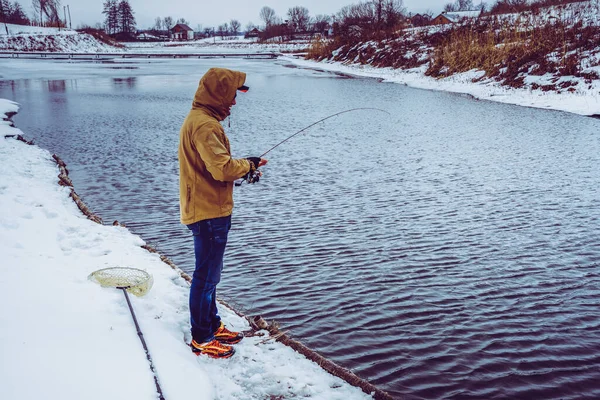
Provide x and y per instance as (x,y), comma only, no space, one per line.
(135,281)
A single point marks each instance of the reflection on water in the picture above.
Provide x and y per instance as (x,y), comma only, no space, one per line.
(57,85)
(13,88)
(451,250)
(129,83)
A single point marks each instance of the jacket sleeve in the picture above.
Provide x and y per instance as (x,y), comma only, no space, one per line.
(217,159)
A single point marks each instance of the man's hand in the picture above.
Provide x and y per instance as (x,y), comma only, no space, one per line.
(254,175)
(257,161)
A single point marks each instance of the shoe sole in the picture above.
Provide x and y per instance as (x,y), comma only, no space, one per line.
(230,341)
(216,356)
(228,355)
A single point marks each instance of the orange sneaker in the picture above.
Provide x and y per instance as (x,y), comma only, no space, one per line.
(224,335)
(212,349)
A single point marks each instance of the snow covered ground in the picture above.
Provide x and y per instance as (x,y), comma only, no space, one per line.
(14,29)
(583,101)
(233,44)
(63,336)
(35,38)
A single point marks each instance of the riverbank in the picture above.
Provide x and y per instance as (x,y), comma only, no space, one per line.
(587,104)
(66,337)
(546,57)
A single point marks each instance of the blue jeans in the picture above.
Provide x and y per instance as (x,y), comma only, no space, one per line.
(210,239)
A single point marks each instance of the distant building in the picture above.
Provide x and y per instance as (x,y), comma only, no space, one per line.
(419,20)
(254,33)
(452,17)
(182,32)
(144,36)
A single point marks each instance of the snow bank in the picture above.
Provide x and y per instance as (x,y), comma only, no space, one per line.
(7,108)
(233,44)
(63,336)
(67,43)
(14,29)
(34,38)
(584,101)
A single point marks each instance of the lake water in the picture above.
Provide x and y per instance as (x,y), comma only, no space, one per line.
(448,250)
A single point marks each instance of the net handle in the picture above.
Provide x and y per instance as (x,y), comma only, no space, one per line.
(141,336)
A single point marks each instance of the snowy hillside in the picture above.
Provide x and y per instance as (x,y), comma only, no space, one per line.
(545,59)
(234,44)
(34,38)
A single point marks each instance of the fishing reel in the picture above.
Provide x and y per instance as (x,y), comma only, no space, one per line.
(250,177)
(253,176)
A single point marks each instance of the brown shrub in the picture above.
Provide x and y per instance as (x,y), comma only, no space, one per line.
(101,36)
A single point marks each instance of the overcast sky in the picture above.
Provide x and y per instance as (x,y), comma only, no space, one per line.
(213,13)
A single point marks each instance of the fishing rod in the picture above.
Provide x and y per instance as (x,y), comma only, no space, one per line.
(321,120)
(254,177)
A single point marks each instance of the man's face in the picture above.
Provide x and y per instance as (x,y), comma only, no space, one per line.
(233,103)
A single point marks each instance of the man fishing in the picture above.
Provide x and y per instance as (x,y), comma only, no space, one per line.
(206,175)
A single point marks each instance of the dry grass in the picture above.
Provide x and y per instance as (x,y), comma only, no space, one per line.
(560,41)
(320,48)
(101,36)
(507,52)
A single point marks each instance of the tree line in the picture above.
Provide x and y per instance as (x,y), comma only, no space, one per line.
(298,21)
(119,19)
(45,13)
(12,13)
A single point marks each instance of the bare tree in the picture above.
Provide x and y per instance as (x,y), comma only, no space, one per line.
(464,5)
(48,8)
(250,26)
(374,18)
(267,14)
(182,21)
(321,22)
(235,26)
(167,23)
(393,10)
(450,7)
(223,30)
(52,12)
(509,6)
(299,18)
(158,24)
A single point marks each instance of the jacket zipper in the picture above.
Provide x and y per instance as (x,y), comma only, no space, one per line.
(189,199)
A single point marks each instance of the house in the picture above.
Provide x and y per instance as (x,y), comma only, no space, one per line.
(254,33)
(452,17)
(182,32)
(146,37)
(419,20)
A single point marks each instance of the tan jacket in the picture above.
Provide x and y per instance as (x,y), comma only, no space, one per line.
(206,169)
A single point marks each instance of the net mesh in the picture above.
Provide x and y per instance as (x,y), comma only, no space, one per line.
(135,281)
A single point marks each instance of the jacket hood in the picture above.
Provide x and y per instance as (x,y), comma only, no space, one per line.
(216,91)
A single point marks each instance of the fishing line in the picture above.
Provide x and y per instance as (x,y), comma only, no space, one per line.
(255,175)
(321,120)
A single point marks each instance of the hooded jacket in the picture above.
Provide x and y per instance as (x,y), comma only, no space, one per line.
(206,168)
